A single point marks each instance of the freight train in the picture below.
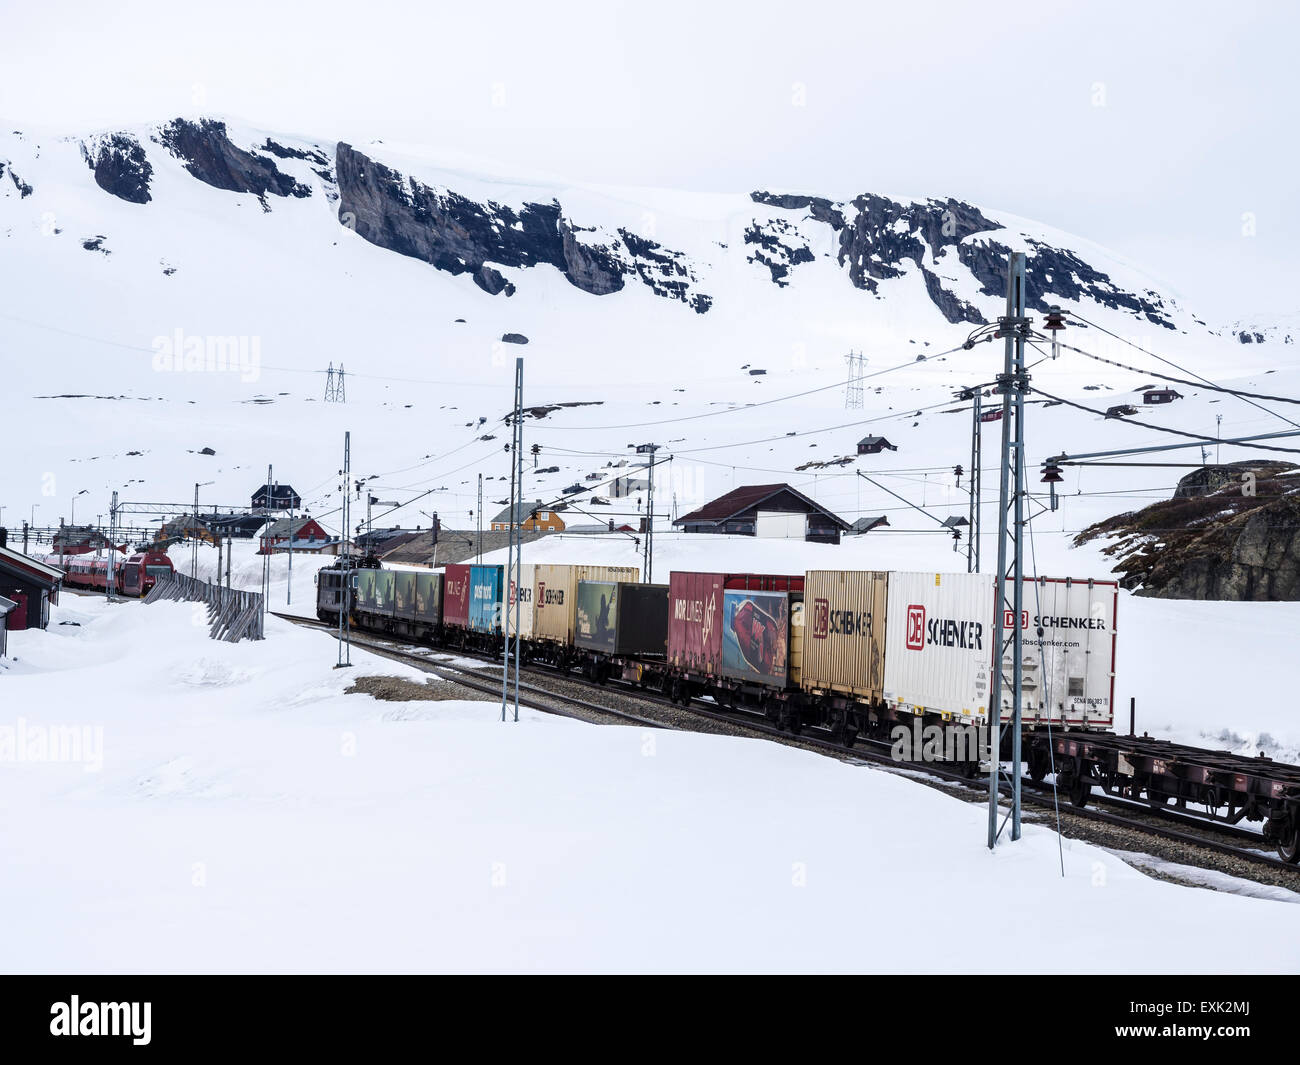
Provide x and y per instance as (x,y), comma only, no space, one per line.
(851,651)
(134,576)
(856,652)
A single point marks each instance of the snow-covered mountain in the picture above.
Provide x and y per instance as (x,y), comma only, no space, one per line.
(173,296)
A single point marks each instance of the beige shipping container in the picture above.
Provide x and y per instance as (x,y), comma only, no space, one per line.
(844,632)
(555,596)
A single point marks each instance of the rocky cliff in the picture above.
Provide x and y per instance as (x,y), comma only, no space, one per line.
(459,235)
(878,236)
(958,252)
(1229,532)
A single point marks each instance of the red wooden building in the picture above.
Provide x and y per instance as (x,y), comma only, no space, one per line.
(306,533)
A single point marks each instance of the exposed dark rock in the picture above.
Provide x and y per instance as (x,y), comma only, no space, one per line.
(121,167)
(545,409)
(884,233)
(1055,274)
(95,244)
(878,235)
(667,272)
(778,246)
(491,281)
(1219,537)
(454,233)
(820,208)
(24,189)
(206,451)
(1210,479)
(514,338)
(953,308)
(209,155)
(592,268)
(314,156)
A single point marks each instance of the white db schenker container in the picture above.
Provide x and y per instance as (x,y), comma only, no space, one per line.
(555,595)
(1068,672)
(938,644)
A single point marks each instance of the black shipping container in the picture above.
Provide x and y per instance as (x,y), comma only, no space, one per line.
(622,618)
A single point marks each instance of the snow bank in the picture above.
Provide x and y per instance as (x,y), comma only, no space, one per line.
(249,816)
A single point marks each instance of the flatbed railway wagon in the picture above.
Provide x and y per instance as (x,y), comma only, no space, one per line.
(622,628)
(737,637)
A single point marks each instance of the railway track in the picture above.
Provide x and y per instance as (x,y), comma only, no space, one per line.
(1180,829)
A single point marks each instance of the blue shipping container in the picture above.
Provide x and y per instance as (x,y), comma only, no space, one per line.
(485,598)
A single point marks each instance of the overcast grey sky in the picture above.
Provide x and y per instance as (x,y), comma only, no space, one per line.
(1152,128)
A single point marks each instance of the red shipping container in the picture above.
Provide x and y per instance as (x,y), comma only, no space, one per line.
(695,613)
(455,597)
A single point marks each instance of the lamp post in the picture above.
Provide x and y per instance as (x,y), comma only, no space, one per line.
(194,532)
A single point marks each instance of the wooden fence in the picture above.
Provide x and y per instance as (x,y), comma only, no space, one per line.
(233,615)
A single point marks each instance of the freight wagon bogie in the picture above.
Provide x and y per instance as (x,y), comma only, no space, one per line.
(1210,784)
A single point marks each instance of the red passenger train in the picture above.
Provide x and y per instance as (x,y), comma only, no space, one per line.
(135,576)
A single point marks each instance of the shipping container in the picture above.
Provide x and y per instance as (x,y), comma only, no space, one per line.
(485,598)
(756,636)
(555,592)
(404,594)
(740,637)
(428,597)
(1068,672)
(455,596)
(525,587)
(363,580)
(939,645)
(844,634)
(621,618)
(384,594)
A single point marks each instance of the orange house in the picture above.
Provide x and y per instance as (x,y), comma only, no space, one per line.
(538,517)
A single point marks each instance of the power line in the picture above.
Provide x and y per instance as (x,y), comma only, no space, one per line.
(1183,381)
(1164,428)
(1176,366)
(749,406)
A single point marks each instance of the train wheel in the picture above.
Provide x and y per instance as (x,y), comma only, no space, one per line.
(1080,791)
(1288,843)
(1039,765)
(1156,799)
